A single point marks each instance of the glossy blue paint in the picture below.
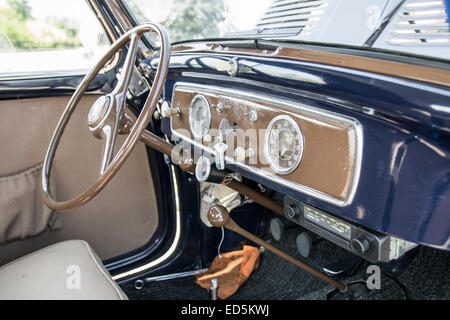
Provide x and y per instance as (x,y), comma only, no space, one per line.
(404,182)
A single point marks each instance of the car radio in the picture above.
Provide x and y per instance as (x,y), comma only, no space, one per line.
(372,246)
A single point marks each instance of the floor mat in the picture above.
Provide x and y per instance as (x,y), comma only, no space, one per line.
(276,279)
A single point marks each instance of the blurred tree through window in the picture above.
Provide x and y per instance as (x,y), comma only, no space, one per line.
(195,19)
(25,32)
(199,19)
(42,36)
(183,19)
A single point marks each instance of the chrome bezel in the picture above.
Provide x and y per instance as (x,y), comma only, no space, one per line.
(298,131)
(202,98)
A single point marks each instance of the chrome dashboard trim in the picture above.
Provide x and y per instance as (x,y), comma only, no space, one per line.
(291,106)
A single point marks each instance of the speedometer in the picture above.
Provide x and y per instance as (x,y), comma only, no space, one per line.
(199,116)
(283,144)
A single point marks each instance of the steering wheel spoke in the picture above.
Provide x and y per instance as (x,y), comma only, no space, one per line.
(127,68)
(109,137)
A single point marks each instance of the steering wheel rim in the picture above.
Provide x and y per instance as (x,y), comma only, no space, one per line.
(109,113)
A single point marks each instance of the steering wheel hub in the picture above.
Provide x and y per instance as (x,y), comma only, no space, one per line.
(98,111)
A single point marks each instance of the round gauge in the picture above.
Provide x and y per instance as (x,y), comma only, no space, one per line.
(199,116)
(283,144)
(202,169)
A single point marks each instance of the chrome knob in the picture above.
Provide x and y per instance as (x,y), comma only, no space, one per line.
(253,115)
(219,155)
(291,211)
(360,244)
(167,111)
(240,154)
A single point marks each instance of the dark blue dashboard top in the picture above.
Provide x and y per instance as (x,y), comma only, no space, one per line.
(403,189)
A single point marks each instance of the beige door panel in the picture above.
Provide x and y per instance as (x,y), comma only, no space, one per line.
(123,217)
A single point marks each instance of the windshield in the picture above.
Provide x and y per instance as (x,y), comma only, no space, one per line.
(417,27)
(200,19)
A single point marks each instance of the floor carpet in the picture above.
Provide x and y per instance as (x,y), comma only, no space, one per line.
(426,277)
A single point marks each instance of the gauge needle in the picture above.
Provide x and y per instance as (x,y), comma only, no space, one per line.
(286,141)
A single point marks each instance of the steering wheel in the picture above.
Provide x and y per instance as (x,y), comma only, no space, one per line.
(107,116)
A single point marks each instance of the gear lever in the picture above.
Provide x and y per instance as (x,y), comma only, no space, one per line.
(219,216)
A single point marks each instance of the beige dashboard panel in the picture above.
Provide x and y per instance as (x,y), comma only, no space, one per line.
(331,154)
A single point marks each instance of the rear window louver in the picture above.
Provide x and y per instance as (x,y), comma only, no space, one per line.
(421,23)
(293,17)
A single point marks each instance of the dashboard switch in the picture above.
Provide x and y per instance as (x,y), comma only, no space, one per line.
(167,111)
(240,154)
(360,244)
(220,149)
(253,115)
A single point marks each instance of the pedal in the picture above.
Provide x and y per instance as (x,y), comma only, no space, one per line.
(277,228)
(346,267)
(304,244)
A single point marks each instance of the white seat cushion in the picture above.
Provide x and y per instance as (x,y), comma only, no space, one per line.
(65,270)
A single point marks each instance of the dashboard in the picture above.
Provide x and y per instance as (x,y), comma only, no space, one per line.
(364,150)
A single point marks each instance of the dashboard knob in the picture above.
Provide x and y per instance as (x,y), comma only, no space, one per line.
(219,107)
(253,115)
(167,111)
(291,211)
(240,154)
(219,155)
(360,244)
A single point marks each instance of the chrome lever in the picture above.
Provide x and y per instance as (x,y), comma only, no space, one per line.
(220,149)
(219,155)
